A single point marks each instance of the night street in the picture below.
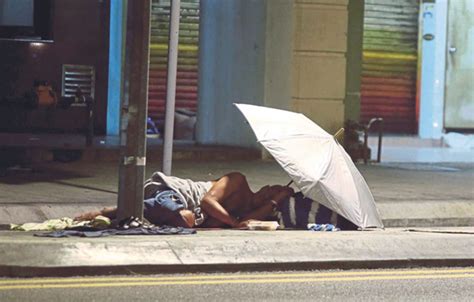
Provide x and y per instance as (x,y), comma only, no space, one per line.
(441,284)
(237,150)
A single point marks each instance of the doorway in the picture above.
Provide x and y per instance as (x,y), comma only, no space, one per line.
(459,93)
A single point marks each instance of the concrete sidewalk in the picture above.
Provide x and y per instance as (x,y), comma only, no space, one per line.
(421,195)
(406,195)
(231,250)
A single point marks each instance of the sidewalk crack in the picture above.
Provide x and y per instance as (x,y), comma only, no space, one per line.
(174,252)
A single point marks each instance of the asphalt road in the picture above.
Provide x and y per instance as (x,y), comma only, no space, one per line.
(440,284)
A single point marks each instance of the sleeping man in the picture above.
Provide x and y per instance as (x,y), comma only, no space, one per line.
(225,202)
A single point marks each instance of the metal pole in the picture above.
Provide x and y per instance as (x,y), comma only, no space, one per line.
(90,120)
(366,144)
(379,150)
(171,86)
(134,110)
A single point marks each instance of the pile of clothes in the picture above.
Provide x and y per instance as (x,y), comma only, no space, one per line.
(100,226)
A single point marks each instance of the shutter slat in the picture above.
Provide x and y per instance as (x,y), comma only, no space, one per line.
(186,82)
(389,65)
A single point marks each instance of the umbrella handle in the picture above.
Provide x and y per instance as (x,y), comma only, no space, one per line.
(338,134)
(291,181)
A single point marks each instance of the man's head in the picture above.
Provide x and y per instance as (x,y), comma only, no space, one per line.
(265,193)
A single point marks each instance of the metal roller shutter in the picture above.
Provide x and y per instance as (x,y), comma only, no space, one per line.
(187,78)
(389,66)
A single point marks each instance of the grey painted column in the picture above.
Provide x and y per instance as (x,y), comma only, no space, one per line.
(171,86)
(355,32)
(134,110)
(231,68)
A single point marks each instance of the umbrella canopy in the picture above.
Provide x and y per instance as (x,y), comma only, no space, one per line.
(315,161)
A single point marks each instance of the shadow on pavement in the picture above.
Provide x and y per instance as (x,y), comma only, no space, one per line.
(23,175)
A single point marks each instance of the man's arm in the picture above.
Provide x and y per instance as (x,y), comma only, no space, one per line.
(214,209)
(211,204)
(266,207)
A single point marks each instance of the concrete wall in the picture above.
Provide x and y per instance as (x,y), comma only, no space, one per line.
(287,54)
(319,62)
(231,68)
(278,53)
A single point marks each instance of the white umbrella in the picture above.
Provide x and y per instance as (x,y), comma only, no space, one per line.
(315,161)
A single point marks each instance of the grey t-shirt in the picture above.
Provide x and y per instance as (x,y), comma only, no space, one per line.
(191,192)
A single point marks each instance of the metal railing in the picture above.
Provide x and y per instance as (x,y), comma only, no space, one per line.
(374,121)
